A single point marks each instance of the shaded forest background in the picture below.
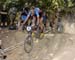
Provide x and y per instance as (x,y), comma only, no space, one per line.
(66,8)
(50,6)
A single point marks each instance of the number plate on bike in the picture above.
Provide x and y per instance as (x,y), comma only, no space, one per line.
(28,28)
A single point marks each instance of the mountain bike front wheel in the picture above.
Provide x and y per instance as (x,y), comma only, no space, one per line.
(28,44)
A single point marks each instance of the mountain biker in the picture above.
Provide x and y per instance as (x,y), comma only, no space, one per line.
(35,13)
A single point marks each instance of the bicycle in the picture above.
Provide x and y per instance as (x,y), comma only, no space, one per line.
(28,43)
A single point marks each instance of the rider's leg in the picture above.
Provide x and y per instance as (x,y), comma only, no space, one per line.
(41,24)
(33,21)
(38,20)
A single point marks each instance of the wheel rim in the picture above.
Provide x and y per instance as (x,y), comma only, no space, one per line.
(28,45)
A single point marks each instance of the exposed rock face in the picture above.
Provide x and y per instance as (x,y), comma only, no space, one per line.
(69,25)
(69,28)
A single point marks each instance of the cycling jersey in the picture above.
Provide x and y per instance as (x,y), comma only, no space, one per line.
(24,14)
(36,12)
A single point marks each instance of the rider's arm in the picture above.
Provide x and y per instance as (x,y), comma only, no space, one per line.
(27,18)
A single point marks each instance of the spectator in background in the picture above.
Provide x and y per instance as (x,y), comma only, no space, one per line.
(12,14)
(3,14)
(45,19)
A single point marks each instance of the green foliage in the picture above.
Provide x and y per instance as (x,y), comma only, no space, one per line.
(49,6)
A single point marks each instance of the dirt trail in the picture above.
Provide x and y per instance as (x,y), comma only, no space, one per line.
(51,47)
